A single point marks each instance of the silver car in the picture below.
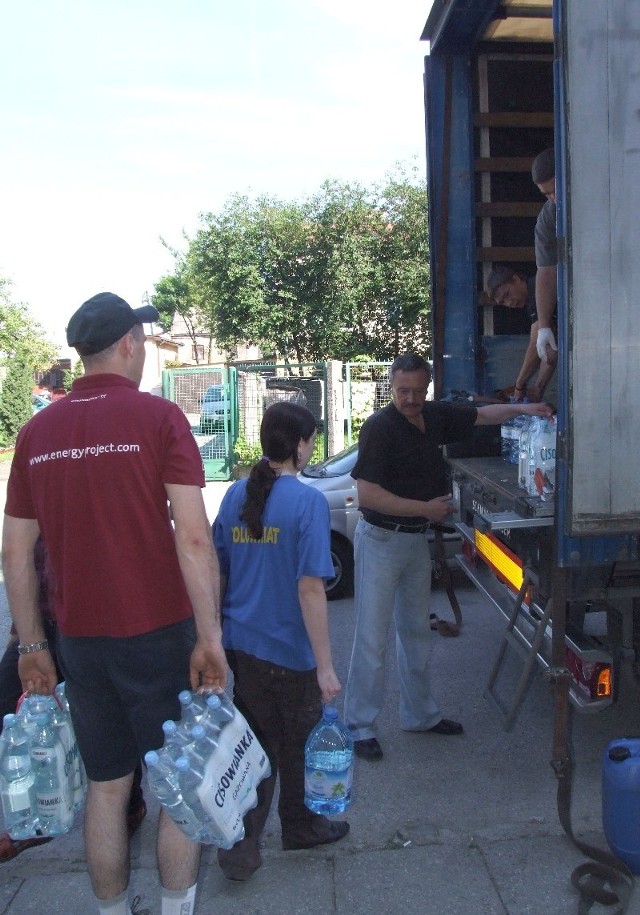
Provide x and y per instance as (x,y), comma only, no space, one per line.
(215,408)
(333,478)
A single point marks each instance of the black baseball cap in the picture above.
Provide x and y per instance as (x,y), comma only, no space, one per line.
(103,319)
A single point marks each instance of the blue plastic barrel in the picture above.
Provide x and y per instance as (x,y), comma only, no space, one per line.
(621,799)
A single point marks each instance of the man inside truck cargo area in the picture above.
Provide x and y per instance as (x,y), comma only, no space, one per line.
(543,172)
(402,490)
(511,290)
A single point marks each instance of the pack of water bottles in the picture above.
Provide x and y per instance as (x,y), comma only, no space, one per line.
(537,456)
(328,765)
(207,772)
(42,777)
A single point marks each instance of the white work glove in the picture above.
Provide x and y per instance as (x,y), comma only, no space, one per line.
(545,339)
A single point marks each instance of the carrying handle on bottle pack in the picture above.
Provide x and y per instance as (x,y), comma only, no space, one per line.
(28,695)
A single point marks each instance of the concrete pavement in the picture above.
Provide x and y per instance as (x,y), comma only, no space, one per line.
(442,825)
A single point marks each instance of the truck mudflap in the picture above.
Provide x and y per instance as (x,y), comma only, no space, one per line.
(499,574)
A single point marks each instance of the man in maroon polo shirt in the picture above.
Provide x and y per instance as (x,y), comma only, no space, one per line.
(136,601)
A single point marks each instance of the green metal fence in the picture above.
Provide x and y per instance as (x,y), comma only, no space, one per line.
(225,405)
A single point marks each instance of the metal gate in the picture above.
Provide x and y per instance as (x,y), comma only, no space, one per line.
(368,389)
(209,399)
(225,405)
(262,384)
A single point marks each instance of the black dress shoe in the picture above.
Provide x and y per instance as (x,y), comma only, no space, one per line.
(446,727)
(368,749)
(337,831)
(239,863)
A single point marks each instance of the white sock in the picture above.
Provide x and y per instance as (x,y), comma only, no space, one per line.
(179,902)
(118,905)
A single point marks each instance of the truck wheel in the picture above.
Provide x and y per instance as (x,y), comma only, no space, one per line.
(341,585)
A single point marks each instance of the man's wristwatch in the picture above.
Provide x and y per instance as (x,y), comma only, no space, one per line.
(36,646)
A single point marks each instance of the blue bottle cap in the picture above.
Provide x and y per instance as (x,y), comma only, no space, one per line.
(151,758)
(330,711)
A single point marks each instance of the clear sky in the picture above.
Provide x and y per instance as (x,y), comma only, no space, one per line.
(122,120)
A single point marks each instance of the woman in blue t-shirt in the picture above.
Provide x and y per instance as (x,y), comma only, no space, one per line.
(272,536)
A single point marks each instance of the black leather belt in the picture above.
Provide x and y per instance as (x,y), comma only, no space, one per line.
(402,528)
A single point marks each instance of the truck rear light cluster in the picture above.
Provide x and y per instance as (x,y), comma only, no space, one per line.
(594,679)
(506,565)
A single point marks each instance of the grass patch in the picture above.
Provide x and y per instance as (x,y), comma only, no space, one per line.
(6,456)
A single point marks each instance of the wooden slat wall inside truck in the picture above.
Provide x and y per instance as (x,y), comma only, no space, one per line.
(601,75)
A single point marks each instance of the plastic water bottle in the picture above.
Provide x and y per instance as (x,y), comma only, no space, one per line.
(328,765)
(545,459)
(189,779)
(507,440)
(523,452)
(175,735)
(205,739)
(17,781)
(193,707)
(77,774)
(534,430)
(219,710)
(55,805)
(163,779)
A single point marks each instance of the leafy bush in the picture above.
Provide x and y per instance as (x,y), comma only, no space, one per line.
(244,453)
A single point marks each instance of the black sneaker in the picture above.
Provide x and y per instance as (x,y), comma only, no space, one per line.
(368,749)
(337,831)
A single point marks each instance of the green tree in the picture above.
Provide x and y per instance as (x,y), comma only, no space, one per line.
(179,294)
(224,260)
(342,273)
(70,376)
(21,333)
(24,349)
(15,399)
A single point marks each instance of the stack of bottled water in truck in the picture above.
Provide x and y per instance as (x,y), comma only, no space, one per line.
(529,442)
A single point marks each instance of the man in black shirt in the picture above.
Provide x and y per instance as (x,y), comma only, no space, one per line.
(402,488)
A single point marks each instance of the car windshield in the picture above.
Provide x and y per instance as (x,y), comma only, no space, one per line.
(336,465)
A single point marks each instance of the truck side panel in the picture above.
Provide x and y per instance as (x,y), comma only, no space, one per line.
(451,211)
(602,202)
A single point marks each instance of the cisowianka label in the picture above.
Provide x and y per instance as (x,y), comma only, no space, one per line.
(231,776)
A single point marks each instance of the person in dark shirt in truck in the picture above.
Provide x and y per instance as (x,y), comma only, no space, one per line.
(510,289)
